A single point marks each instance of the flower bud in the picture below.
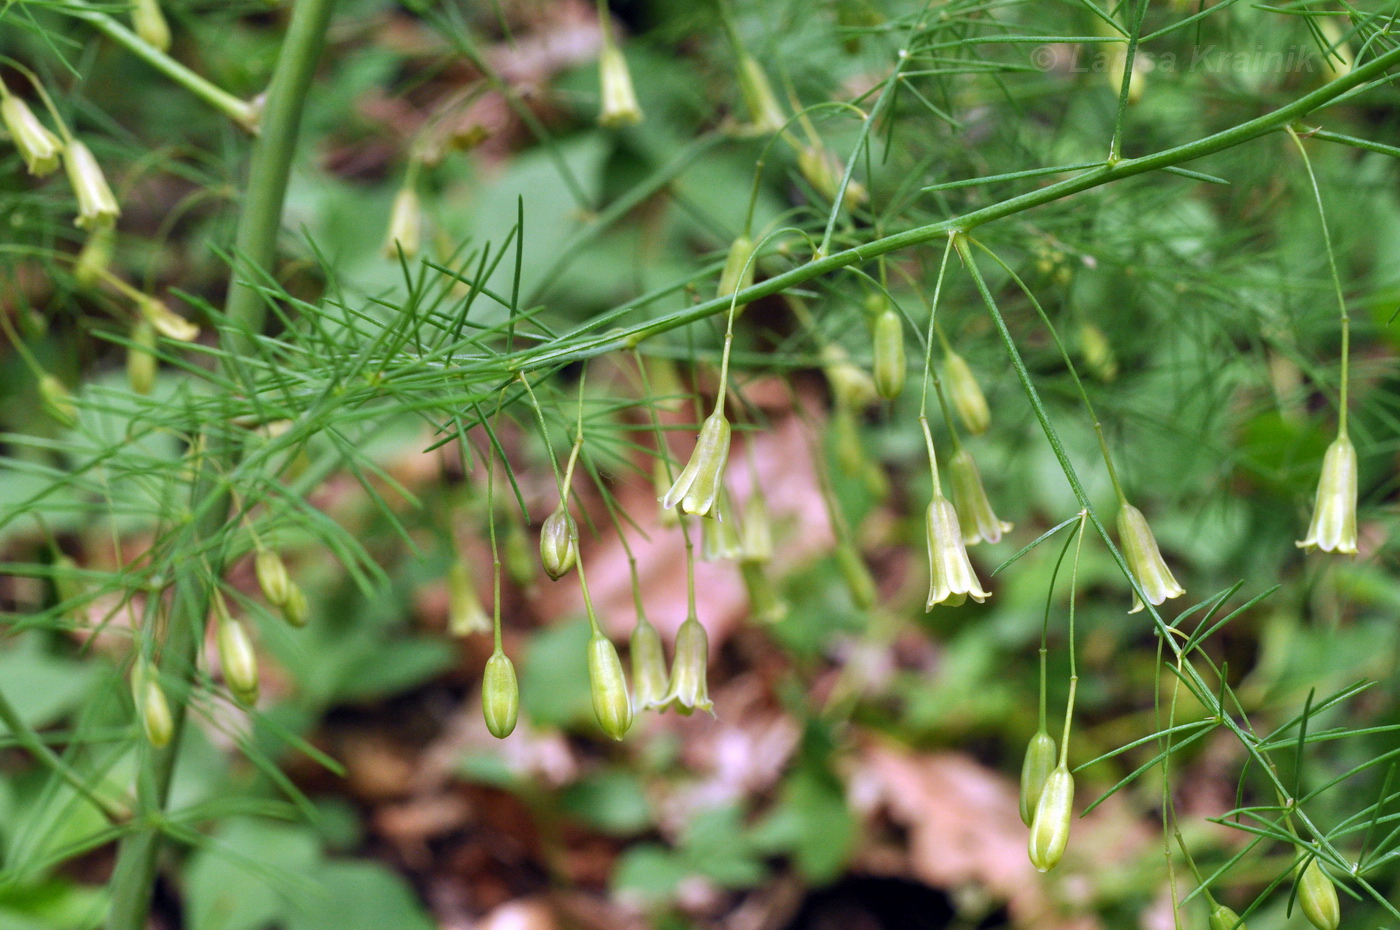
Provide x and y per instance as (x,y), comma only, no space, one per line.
(272,576)
(57,400)
(151,706)
(558,543)
(465,615)
(40,149)
(757,529)
(1145,559)
(824,171)
(1098,353)
(500,695)
(856,575)
(1224,918)
(765,603)
(1333,527)
(967,397)
(975,513)
(689,689)
(1317,896)
(405,224)
(851,386)
(697,487)
(166,321)
(765,113)
(738,268)
(649,678)
(96,255)
(890,366)
(951,578)
(97,207)
(1050,826)
(140,358)
(294,608)
(520,563)
(149,23)
(237,659)
(611,705)
(845,437)
(620,107)
(1035,769)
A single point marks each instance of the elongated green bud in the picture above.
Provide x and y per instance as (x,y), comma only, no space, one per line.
(140,358)
(765,113)
(237,659)
(845,438)
(1317,896)
(1038,764)
(57,401)
(519,561)
(951,576)
(979,522)
(273,579)
(1145,559)
(1050,826)
(765,603)
(151,706)
(649,677)
(690,689)
(856,575)
(1224,918)
(295,608)
(149,23)
(558,543)
(1333,527)
(1098,352)
(620,107)
(465,615)
(824,171)
(95,257)
(890,366)
(405,232)
(697,487)
(166,321)
(611,705)
(738,269)
(851,386)
(966,395)
(500,695)
(97,206)
(40,149)
(757,529)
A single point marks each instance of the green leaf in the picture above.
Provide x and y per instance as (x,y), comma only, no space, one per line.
(611,802)
(361,896)
(243,878)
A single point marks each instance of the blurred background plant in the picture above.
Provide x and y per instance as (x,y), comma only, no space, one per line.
(300,513)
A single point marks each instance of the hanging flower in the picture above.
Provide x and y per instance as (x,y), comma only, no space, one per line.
(608,685)
(620,107)
(697,487)
(966,394)
(1145,559)
(979,522)
(765,113)
(649,677)
(951,577)
(40,149)
(405,233)
(689,689)
(500,695)
(97,206)
(1333,527)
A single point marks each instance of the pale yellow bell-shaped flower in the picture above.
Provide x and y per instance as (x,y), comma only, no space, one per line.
(765,113)
(697,487)
(97,206)
(405,224)
(1333,526)
(1145,559)
(951,577)
(40,149)
(620,107)
(975,513)
(689,686)
(650,680)
(149,23)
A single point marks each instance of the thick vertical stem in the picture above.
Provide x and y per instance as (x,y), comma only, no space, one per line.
(255,249)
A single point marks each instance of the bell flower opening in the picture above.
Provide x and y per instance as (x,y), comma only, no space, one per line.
(40,149)
(979,521)
(1333,526)
(97,206)
(1145,559)
(689,689)
(620,107)
(951,577)
(697,487)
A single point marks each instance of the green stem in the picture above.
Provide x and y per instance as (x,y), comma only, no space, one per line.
(242,112)
(1336,283)
(628,338)
(255,246)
